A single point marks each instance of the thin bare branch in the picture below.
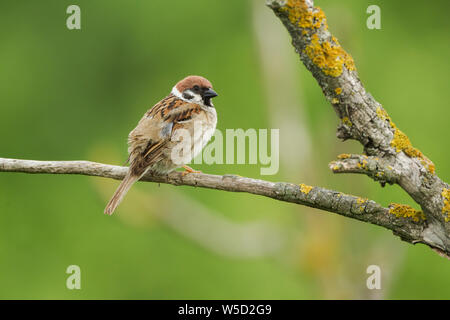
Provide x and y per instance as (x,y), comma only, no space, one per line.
(407,227)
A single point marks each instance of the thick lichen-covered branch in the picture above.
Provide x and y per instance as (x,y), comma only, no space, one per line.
(400,142)
(403,223)
(390,155)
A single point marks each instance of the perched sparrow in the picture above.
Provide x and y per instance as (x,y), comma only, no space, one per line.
(155,143)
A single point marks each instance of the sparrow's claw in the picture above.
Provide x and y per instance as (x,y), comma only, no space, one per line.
(189,170)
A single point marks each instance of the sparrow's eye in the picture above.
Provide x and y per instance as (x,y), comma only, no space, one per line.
(196,88)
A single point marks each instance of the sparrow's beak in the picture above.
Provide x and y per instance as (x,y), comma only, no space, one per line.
(210,93)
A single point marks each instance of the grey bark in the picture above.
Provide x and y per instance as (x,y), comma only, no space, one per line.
(391,158)
(346,205)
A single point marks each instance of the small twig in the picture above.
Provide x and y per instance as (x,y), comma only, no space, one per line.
(374,167)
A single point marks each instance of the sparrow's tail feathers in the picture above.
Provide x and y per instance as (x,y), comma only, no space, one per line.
(121,191)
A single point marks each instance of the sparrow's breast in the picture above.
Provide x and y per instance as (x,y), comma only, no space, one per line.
(190,136)
(209,126)
(204,129)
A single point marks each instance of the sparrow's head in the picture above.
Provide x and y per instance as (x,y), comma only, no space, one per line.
(195,89)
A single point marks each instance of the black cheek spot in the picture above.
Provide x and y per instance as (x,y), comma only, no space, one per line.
(187,96)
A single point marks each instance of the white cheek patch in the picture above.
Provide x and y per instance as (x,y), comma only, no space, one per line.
(196,98)
(177,93)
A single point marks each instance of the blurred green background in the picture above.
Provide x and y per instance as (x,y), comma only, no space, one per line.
(75,95)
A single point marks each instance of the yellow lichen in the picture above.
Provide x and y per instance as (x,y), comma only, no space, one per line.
(305,189)
(346,121)
(348,60)
(335,101)
(446,208)
(363,164)
(382,114)
(401,142)
(379,174)
(361,200)
(431,166)
(329,56)
(336,168)
(300,15)
(405,211)
(338,91)
(344,156)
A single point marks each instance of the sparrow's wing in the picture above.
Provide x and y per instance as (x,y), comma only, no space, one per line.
(149,139)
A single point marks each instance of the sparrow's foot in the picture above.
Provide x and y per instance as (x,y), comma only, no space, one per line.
(189,170)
